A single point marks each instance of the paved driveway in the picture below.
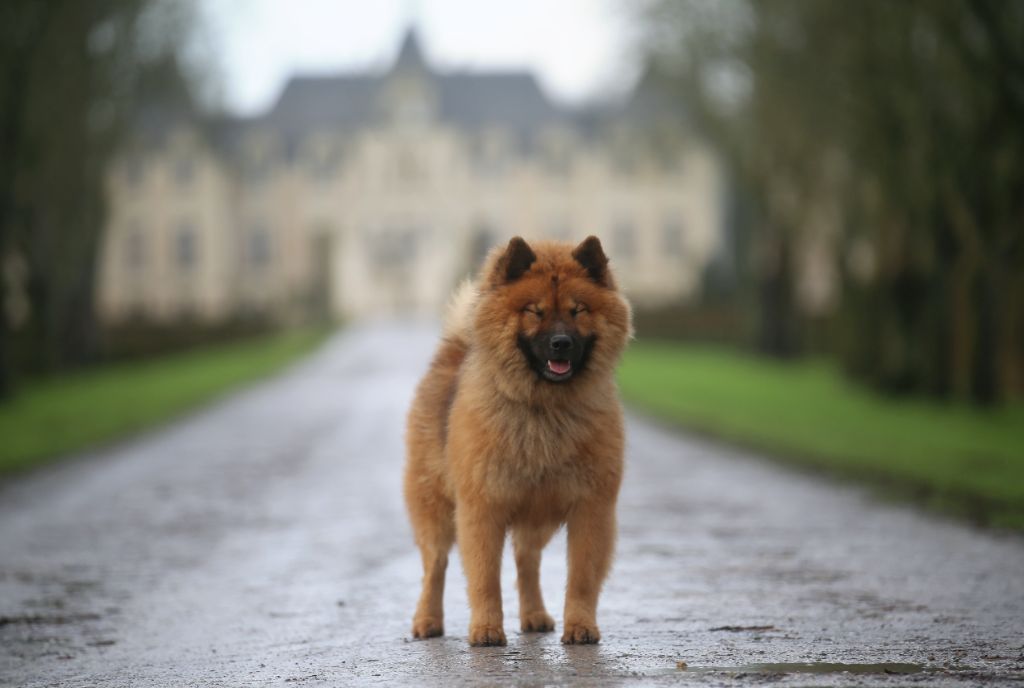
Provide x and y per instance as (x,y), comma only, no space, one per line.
(263,541)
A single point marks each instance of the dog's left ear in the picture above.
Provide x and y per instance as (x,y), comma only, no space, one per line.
(591,256)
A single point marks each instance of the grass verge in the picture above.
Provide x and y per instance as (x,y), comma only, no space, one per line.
(954,457)
(49,418)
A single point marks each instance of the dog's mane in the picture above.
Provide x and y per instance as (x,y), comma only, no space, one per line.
(458,320)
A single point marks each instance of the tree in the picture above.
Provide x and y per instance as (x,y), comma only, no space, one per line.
(904,117)
(71,74)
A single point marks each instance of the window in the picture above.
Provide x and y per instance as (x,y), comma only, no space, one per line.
(394,247)
(559,231)
(413,109)
(258,159)
(624,161)
(186,248)
(133,171)
(491,153)
(134,249)
(624,240)
(257,169)
(330,165)
(557,159)
(183,171)
(323,158)
(408,167)
(672,236)
(258,247)
(671,160)
(484,238)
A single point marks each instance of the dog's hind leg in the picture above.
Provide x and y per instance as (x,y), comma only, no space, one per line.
(528,541)
(433,519)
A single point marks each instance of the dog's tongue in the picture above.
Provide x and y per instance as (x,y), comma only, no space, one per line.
(559,367)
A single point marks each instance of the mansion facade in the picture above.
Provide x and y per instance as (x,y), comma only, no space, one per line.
(374,194)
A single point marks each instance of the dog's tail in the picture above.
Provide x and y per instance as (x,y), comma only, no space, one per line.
(458,320)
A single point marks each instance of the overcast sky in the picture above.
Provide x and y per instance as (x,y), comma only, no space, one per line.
(579,49)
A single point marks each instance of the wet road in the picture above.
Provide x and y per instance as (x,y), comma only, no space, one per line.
(263,542)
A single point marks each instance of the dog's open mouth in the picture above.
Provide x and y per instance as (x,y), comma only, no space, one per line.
(558,370)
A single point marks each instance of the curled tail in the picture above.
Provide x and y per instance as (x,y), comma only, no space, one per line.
(458,319)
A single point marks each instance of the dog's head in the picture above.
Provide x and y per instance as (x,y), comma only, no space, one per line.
(552,311)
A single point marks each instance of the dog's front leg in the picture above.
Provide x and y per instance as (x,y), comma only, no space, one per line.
(591,528)
(481,539)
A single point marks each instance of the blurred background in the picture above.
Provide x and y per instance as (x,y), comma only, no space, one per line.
(816,208)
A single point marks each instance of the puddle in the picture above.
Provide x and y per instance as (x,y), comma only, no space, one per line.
(809,668)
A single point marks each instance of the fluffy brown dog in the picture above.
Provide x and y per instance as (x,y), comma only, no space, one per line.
(517,426)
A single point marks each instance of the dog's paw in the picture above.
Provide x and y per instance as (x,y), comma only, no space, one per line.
(537,622)
(581,634)
(427,627)
(484,635)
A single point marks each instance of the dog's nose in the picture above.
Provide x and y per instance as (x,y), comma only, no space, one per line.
(561,342)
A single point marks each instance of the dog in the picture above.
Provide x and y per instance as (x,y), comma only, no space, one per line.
(517,426)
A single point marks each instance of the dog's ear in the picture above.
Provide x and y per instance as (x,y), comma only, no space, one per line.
(591,256)
(514,262)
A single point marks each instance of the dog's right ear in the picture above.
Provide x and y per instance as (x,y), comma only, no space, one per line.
(514,262)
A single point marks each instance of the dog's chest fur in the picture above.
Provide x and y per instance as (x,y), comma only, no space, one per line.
(540,451)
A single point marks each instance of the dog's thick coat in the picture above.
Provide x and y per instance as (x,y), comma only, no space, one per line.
(505,435)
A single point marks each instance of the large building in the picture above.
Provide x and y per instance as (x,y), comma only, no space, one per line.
(374,193)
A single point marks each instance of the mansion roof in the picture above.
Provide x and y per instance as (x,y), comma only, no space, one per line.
(472,102)
(509,100)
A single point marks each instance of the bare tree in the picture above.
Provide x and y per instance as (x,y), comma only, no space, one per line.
(905,117)
(71,75)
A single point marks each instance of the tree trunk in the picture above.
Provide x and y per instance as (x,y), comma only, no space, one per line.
(985,389)
(24,24)
(6,383)
(776,334)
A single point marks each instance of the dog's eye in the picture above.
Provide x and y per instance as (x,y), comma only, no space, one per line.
(533,309)
(577,309)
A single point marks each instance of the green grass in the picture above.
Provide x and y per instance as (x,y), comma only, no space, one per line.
(62,415)
(953,456)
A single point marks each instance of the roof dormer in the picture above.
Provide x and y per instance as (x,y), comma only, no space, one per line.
(410,95)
